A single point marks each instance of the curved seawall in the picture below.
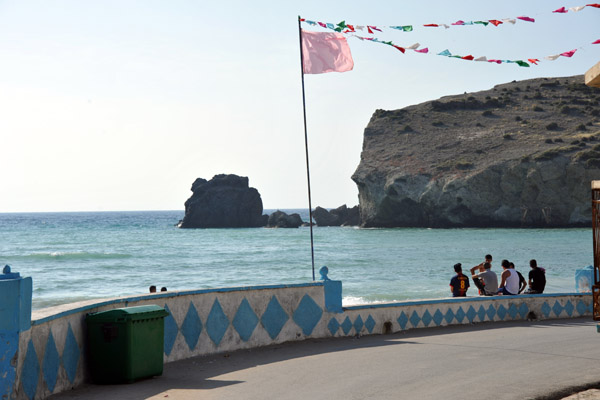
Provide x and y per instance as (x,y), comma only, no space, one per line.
(52,354)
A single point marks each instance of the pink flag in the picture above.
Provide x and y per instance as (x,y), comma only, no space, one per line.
(596,42)
(568,53)
(325,52)
(424,51)
(561,10)
(523,18)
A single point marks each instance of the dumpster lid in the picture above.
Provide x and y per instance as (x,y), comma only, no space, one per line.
(128,314)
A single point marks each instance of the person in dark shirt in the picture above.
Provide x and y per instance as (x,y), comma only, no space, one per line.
(459,284)
(537,279)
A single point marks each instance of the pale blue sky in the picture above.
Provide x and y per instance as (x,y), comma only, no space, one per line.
(121,105)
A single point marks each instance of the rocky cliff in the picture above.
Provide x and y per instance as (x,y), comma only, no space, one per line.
(519,155)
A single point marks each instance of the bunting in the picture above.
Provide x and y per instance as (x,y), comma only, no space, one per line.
(342,27)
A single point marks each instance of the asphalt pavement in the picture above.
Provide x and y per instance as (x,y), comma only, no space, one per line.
(512,360)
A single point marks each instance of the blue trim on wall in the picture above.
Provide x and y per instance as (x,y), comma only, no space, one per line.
(462,300)
(126,300)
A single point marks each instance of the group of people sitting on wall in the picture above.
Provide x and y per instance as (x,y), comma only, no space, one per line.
(486,280)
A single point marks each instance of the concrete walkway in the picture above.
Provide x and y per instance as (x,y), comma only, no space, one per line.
(517,360)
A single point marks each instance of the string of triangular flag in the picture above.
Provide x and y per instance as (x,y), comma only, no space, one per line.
(447,53)
(344,27)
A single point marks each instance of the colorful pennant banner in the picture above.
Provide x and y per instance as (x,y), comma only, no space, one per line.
(447,53)
(349,28)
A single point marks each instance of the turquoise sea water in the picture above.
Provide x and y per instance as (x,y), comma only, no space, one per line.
(80,256)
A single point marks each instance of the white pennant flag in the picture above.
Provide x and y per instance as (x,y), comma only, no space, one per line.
(552,58)
(483,58)
(414,46)
(575,9)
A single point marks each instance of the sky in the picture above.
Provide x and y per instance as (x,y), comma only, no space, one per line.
(119,105)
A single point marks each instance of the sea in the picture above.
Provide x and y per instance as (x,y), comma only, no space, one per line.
(74,256)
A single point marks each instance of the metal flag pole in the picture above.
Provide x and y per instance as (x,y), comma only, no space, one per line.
(312,249)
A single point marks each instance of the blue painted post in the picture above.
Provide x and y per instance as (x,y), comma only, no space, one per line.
(15,317)
(333,292)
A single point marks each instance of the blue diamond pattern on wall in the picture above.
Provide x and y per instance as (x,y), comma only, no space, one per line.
(191,327)
(512,311)
(171,331)
(70,357)
(523,310)
(370,323)
(471,314)
(491,312)
(307,315)
(50,363)
(557,308)
(501,311)
(245,320)
(358,324)
(460,315)
(581,307)
(481,313)
(449,316)
(346,325)
(438,317)
(30,371)
(546,309)
(414,319)
(274,318)
(402,320)
(569,308)
(426,318)
(333,326)
(216,323)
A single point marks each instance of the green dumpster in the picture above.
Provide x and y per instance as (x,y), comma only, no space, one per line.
(126,344)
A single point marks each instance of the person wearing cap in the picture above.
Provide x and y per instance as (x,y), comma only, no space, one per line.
(459,284)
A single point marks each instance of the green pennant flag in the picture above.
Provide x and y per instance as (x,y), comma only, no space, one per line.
(522,63)
(484,23)
(407,28)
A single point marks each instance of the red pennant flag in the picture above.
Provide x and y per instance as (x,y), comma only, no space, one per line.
(526,19)
(561,10)
(402,49)
(369,29)
(596,42)
(533,60)
(568,53)
(432,25)
(469,57)
(302,19)
(593,5)
(495,22)
(351,28)
(496,61)
(373,27)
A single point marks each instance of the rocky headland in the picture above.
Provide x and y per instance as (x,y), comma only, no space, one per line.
(519,155)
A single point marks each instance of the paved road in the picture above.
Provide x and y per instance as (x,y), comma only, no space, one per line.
(518,360)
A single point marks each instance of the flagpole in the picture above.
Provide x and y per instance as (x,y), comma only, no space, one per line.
(312,249)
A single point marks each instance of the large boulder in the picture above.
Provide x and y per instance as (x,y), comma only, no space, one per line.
(280,219)
(226,201)
(341,216)
(519,155)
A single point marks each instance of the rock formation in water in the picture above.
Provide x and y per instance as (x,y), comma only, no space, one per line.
(280,219)
(519,155)
(341,216)
(226,201)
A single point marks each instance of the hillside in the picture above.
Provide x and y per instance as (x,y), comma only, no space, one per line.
(520,154)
